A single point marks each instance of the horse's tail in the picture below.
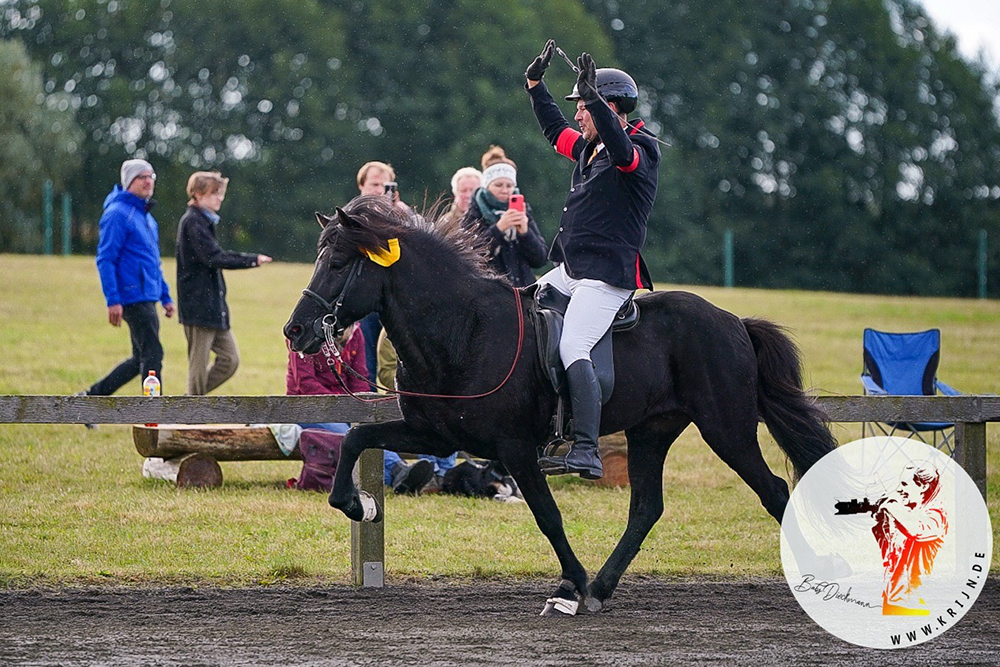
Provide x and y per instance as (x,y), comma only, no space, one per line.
(796,422)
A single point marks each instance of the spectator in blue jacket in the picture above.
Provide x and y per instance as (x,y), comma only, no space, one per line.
(128,260)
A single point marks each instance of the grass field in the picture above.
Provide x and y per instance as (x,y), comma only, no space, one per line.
(75,509)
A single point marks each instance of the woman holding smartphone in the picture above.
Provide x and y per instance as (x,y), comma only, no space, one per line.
(500,215)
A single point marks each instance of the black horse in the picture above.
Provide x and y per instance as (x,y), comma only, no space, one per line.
(458,329)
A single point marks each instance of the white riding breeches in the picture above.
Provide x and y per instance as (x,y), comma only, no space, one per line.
(592,308)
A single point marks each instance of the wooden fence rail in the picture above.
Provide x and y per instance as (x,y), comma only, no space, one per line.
(970,413)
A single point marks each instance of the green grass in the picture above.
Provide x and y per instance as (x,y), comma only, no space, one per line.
(75,509)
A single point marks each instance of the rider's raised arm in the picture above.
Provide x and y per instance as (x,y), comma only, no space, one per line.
(624,153)
(567,141)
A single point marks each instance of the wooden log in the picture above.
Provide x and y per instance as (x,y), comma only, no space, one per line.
(222,442)
(614,458)
(199,471)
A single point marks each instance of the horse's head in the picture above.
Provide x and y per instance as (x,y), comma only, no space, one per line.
(355,247)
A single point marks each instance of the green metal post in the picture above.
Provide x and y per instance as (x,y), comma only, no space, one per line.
(729,262)
(982,263)
(67,222)
(47,216)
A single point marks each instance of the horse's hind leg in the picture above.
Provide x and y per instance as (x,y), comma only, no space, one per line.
(735,442)
(648,444)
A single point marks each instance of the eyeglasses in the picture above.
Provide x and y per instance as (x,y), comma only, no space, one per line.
(151,177)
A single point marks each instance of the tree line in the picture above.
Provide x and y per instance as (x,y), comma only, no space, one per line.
(847,144)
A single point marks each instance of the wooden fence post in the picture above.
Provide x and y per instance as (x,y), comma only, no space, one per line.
(368,539)
(970,451)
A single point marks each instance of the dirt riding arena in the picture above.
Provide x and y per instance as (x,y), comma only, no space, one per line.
(432,623)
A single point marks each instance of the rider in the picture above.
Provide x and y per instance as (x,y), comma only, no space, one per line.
(603,226)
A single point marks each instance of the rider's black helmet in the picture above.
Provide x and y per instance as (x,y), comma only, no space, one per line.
(616,86)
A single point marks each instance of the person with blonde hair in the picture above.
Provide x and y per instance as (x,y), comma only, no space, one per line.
(515,244)
(201,289)
(464,184)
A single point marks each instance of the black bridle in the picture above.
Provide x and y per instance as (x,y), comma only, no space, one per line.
(328,327)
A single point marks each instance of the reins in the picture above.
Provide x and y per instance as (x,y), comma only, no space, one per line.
(336,363)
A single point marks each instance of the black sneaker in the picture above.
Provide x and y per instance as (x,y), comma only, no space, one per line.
(410,479)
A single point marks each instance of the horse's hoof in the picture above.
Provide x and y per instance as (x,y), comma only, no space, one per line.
(560,607)
(593,605)
(371,512)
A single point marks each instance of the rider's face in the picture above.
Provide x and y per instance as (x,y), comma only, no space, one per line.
(585,121)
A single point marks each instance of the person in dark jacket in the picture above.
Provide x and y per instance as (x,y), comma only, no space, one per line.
(128,260)
(515,244)
(201,289)
(603,227)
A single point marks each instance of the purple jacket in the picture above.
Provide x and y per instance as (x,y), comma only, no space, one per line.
(311,375)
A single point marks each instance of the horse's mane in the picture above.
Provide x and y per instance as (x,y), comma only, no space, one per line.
(380,220)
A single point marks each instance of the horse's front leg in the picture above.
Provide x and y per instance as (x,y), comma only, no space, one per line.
(572,589)
(396,436)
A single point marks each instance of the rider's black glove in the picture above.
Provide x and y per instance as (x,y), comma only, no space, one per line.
(536,70)
(586,79)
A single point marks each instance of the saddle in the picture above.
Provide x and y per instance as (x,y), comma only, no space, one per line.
(548,310)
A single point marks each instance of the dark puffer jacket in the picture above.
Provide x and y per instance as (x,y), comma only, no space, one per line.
(512,258)
(201,289)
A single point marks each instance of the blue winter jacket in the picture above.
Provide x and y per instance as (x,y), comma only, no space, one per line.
(128,252)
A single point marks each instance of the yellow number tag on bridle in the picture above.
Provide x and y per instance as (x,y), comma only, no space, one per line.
(385,257)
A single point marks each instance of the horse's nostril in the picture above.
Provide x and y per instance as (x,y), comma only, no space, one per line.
(295,329)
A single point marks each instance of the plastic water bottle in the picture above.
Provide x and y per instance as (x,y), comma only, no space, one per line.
(151,387)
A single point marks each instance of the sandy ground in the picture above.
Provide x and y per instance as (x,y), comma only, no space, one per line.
(649,621)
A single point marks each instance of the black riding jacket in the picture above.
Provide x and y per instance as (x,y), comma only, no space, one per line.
(603,225)
(201,289)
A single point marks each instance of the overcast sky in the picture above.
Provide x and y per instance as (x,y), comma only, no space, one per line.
(976,23)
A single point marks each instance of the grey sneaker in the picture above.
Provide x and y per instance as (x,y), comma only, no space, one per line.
(411,478)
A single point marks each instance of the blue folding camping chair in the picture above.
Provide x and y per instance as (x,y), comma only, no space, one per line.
(905,364)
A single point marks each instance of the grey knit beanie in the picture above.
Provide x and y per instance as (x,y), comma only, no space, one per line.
(131,169)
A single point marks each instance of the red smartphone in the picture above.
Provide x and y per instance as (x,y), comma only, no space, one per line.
(516,203)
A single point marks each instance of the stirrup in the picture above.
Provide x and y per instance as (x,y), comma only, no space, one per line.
(550,449)
(551,463)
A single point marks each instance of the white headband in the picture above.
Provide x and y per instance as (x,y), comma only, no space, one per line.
(499,170)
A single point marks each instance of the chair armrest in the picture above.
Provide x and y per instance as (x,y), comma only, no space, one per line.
(871,388)
(945,389)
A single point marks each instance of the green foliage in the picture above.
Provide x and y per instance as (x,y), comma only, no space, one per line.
(846,143)
(289,98)
(41,140)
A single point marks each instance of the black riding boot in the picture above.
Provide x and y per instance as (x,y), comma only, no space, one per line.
(583,456)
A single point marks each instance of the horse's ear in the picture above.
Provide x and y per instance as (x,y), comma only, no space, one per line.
(323,220)
(346,220)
